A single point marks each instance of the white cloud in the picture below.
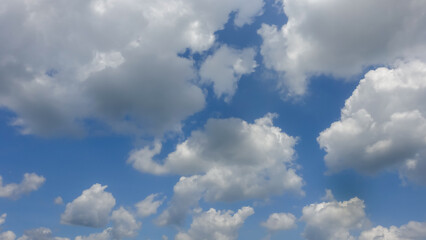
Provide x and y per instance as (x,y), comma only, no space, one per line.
(91,209)
(58,200)
(225,68)
(8,235)
(124,225)
(3,218)
(40,234)
(64,62)
(341,38)
(148,206)
(410,231)
(227,161)
(31,182)
(333,220)
(280,221)
(216,225)
(382,125)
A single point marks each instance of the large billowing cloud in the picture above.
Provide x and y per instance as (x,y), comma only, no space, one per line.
(225,67)
(66,63)
(31,182)
(383,124)
(229,160)
(91,209)
(333,220)
(341,38)
(216,225)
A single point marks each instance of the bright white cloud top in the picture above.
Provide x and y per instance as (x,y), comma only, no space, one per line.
(216,225)
(382,125)
(342,38)
(91,208)
(31,182)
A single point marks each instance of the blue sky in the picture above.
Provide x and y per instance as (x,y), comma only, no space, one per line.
(293,119)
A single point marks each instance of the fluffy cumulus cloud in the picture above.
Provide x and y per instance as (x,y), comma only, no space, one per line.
(410,231)
(124,225)
(280,221)
(225,67)
(40,234)
(31,182)
(333,220)
(229,160)
(341,38)
(91,209)
(148,206)
(216,225)
(382,125)
(64,63)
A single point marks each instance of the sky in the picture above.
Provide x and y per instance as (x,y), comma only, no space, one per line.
(212,120)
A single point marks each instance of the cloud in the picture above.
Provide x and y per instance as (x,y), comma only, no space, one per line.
(229,160)
(410,231)
(31,182)
(8,235)
(331,38)
(280,222)
(216,225)
(148,206)
(124,225)
(333,220)
(66,64)
(58,200)
(40,234)
(382,125)
(90,209)
(225,68)
(3,218)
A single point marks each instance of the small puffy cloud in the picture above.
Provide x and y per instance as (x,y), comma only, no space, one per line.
(40,234)
(91,209)
(229,160)
(148,206)
(58,200)
(3,218)
(330,37)
(68,62)
(382,125)
(280,221)
(333,220)
(410,231)
(8,235)
(31,182)
(124,225)
(225,68)
(216,225)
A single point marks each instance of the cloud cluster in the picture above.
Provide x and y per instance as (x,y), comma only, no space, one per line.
(225,67)
(31,182)
(229,160)
(64,64)
(91,208)
(410,231)
(341,38)
(382,125)
(216,225)
(40,234)
(333,220)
